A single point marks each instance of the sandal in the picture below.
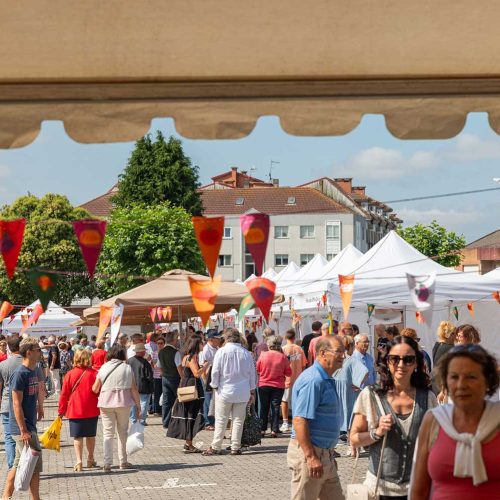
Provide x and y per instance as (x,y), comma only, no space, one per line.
(209,428)
(91,464)
(78,467)
(210,451)
(191,449)
(236,452)
(274,435)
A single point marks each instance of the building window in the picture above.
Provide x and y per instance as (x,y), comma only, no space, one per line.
(306,258)
(333,235)
(239,201)
(358,234)
(290,200)
(281,259)
(307,231)
(228,233)
(225,260)
(330,256)
(281,231)
(332,231)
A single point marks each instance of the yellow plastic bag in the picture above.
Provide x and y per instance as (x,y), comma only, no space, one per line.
(51,438)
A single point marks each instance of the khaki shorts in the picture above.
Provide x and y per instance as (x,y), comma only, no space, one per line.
(35,444)
(287,396)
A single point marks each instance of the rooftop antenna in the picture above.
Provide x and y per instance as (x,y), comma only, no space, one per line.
(253,168)
(272,162)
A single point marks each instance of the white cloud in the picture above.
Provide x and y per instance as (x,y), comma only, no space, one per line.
(469,147)
(4,171)
(454,220)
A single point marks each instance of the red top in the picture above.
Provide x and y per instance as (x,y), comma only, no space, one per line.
(83,402)
(445,485)
(3,357)
(273,367)
(98,359)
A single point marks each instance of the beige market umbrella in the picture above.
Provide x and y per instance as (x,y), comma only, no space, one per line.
(171,289)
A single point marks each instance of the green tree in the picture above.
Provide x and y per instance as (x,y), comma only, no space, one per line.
(146,241)
(49,243)
(159,171)
(434,240)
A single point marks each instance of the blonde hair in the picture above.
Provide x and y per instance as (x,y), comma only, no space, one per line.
(409,332)
(348,342)
(445,331)
(82,359)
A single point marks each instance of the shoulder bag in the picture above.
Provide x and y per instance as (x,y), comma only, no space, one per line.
(187,393)
(360,491)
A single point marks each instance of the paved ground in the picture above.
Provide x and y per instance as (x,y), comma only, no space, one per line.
(164,471)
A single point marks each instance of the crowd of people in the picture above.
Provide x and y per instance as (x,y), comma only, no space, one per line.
(324,388)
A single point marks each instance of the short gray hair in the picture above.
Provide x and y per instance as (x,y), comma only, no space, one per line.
(325,343)
(267,332)
(274,342)
(170,336)
(358,337)
(232,335)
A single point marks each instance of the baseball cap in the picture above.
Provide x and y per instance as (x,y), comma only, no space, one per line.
(213,334)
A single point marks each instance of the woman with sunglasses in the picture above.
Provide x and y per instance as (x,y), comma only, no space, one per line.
(394,408)
(458,444)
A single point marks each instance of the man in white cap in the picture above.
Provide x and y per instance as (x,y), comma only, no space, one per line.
(143,374)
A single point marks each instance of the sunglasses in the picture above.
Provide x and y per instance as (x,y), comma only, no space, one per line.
(407,360)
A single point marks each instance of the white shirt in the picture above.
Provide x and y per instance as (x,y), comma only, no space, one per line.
(207,354)
(233,373)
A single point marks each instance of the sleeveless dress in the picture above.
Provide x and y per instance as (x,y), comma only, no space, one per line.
(187,418)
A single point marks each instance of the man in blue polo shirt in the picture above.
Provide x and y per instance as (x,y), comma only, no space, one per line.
(316,413)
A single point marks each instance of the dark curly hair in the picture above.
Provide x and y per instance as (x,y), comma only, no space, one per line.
(477,354)
(116,352)
(192,346)
(419,378)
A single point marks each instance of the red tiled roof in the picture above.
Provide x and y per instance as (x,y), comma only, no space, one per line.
(488,240)
(272,201)
(100,206)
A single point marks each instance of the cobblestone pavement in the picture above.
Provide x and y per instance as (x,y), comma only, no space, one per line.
(164,471)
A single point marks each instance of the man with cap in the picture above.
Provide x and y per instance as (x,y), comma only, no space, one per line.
(138,338)
(143,374)
(123,339)
(206,359)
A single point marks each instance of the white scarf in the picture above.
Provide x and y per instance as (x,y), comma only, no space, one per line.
(468,457)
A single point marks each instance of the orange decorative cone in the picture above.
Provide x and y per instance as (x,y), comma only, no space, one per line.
(90,235)
(255,230)
(419,317)
(5,309)
(105,313)
(496,296)
(470,307)
(346,284)
(32,318)
(152,313)
(204,294)
(262,291)
(11,241)
(209,232)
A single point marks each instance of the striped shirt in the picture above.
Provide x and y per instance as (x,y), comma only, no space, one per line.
(314,397)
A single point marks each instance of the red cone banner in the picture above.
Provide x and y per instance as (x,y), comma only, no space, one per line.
(90,235)
(255,229)
(496,296)
(204,294)
(11,241)
(152,313)
(209,232)
(32,319)
(5,309)
(262,291)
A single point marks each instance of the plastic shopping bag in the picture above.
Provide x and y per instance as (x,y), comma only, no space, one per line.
(25,469)
(51,438)
(135,440)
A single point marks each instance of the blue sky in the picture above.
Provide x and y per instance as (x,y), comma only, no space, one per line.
(389,168)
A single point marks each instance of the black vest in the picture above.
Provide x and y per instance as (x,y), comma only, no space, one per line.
(399,448)
(167,360)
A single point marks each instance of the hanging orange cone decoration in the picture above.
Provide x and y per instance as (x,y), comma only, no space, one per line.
(209,232)
(169,313)
(152,314)
(470,307)
(32,319)
(204,294)
(419,317)
(105,314)
(90,235)
(346,284)
(262,291)
(255,230)
(496,296)
(11,241)
(5,309)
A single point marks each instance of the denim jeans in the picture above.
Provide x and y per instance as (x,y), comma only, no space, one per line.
(154,405)
(270,397)
(10,444)
(209,420)
(169,387)
(144,409)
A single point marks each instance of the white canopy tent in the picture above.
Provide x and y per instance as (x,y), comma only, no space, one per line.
(54,321)
(303,276)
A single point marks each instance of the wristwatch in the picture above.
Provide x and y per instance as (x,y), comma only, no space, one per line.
(374,435)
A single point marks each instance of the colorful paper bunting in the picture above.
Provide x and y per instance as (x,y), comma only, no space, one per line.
(346,284)
(32,319)
(152,314)
(204,294)
(209,232)
(5,309)
(262,291)
(371,308)
(255,230)
(11,241)
(470,307)
(44,283)
(324,299)
(422,294)
(165,312)
(116,321)
(90,235)
(246,304)
(419,317)
(158,313)
(455,312)
(105,313)
(496,296)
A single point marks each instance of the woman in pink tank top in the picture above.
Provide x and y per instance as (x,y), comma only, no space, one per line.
(458,445)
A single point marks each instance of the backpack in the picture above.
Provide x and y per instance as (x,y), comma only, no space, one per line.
(66,364)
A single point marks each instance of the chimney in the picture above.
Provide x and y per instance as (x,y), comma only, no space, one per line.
(276,183)
(359,190)
(345,183)
(234,177)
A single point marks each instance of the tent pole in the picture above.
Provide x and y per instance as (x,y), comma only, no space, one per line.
(179,320)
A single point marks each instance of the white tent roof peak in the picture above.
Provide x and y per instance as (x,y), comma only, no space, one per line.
(270,274)
(286,273)
(304,275)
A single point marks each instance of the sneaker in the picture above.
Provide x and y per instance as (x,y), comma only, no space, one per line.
(284,427)
(126,465)
(106,468)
